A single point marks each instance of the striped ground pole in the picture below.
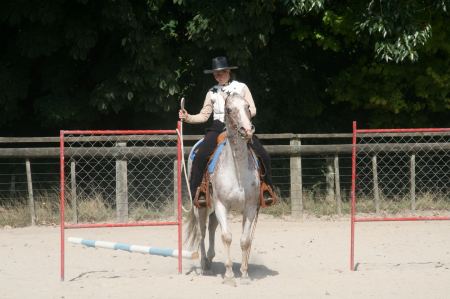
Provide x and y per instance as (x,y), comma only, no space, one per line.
(134,248)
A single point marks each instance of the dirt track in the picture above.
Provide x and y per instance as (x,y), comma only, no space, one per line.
(290,259)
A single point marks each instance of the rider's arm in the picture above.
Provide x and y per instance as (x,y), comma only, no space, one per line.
(248,97)
(204,114)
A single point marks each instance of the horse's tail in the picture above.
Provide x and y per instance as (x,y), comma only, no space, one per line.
(193,234)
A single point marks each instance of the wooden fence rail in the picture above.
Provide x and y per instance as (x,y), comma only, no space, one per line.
(282,150)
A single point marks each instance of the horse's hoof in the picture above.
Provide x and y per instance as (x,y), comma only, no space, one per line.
(245,280)
(229,281)
(207,272)
(206,265)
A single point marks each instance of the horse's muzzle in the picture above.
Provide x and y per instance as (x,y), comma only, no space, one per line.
(246,133)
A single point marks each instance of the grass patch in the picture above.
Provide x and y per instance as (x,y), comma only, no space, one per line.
(96,209)
(14,215)
(142,211)
(320,205)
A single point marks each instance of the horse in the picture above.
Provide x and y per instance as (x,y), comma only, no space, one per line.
(234,185)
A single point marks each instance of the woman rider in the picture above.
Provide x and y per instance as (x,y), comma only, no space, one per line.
(215,103)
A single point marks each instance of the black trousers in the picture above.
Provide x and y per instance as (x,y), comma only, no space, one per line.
(262,154)
(207,147)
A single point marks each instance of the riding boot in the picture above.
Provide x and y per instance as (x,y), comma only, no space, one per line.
(268,200)
(269,195)
(197,193)
(201,197)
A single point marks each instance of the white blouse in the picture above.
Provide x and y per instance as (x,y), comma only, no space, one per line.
(214,102)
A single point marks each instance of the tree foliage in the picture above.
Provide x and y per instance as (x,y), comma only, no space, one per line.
(124,64)
(398,28)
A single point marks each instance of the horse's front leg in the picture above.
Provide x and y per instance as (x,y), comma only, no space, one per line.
(221,214)
(212,226)
(249,216)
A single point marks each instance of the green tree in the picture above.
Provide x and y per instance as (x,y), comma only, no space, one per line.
(314,64)
(78,63)
(377,70)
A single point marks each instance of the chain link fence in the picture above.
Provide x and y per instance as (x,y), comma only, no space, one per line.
(409,168)
(321,176)
(120,178)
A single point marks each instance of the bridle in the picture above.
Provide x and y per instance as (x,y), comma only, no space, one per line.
(235,125)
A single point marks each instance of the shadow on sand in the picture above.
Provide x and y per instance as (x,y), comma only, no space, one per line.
(255,271)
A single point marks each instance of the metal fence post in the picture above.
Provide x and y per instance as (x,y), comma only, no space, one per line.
(337,184)
(376,190)
(121,187)
(175,187)
(73,190)
(296,182)
(330,178)
(413,182)
(30,192)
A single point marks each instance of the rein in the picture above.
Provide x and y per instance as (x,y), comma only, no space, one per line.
(183,162)
(234,126)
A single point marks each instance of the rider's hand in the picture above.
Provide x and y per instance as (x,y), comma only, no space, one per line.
(182,114)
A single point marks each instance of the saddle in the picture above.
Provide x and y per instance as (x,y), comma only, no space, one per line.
(202,196)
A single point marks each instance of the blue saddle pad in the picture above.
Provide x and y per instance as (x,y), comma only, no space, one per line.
(213,161)
(194,149)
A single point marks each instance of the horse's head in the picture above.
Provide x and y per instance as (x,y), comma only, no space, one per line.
(237,117)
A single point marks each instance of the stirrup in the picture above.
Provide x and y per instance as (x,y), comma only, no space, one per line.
(268,199)
(202,200)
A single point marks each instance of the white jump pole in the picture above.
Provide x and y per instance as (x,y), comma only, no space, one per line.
(134,248)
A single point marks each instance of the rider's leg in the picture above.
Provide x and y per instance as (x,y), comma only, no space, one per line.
(201,159)
(264,156)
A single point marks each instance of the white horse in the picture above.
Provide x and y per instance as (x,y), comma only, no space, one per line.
(234,185)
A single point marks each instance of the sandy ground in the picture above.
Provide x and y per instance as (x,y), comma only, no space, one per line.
(290,259)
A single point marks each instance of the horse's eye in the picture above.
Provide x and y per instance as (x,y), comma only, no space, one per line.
(228,110)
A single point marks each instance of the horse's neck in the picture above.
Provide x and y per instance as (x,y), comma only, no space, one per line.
(238,151)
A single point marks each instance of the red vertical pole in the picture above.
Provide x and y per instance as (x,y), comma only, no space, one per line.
(353,205)
(61,203)
(180,218)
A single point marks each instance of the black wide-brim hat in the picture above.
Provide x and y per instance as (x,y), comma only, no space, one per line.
(219,64)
